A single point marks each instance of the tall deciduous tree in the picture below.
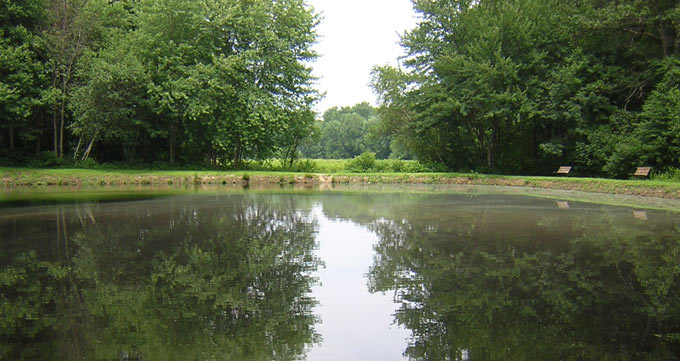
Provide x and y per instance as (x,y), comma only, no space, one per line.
(108,102)
(66,39)
(520,86)
(231,77)
(21,72)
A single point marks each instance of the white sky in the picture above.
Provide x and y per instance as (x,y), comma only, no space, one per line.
(355,35)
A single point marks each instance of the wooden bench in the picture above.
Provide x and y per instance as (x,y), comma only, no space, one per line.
(563,170)
(641,172)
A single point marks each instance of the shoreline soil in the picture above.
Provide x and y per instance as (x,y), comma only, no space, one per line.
(20,177)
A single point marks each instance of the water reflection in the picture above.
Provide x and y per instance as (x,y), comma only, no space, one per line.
(479,280)
(232,277)
(223,278)
(356,325)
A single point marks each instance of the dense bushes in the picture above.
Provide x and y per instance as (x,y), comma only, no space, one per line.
(363,163)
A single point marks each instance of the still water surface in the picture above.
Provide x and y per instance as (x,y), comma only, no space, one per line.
(243,275)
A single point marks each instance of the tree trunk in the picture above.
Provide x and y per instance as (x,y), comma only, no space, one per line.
(664,39)
(237,154)
(488,156)
(61,128)
(171,140)
(485,145)
(11,138)
(498,146)
(80,140)
(89,147)
(37,145)
(56,131)
(291,154)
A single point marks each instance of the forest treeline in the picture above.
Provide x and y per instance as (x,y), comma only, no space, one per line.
(347,132)
(523,86)
(511,86)
(139,81)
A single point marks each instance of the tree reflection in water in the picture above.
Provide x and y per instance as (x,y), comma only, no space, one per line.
(478,277)
(478,280)
(226,278)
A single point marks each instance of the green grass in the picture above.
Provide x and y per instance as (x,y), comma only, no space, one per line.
(331,165)
(335,173)
(338,166)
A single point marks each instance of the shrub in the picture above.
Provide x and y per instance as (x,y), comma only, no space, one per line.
(435,167)
(396,165)
(15,159)
(48,159)
(271,165)
(331,165)
(672,174)
(414,167)
(304,165)
(362,163)
(88,163)
(382,166)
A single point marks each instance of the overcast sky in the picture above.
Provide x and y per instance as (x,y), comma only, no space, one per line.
(355,35)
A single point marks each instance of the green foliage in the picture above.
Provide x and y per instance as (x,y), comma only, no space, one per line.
(331,165)
(515,86)
(659,129)
(109,101)
(169,81)
(672,174)
(415,167)
(280,165)
(304,165)
(347,132)
(360,164)
(237,96)
(365,162)
(22,75)
(49,160)
(509,86)
(401,166)
(89,163)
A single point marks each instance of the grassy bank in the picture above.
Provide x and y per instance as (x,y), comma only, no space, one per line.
(16,177)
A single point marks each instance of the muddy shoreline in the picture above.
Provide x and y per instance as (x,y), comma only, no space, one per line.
(46,178)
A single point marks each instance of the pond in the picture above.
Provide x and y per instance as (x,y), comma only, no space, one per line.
(423,273)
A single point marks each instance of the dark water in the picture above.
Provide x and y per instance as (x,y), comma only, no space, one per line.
(339,276)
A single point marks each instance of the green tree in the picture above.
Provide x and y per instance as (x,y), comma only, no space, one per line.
(230,77)
(110,99)
(659,129)
(214,82)
(347,132)
(21,74)
(523,85)
(468,101)
(66,39)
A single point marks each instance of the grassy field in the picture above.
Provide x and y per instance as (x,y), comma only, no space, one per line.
(363,163)
(18,177)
